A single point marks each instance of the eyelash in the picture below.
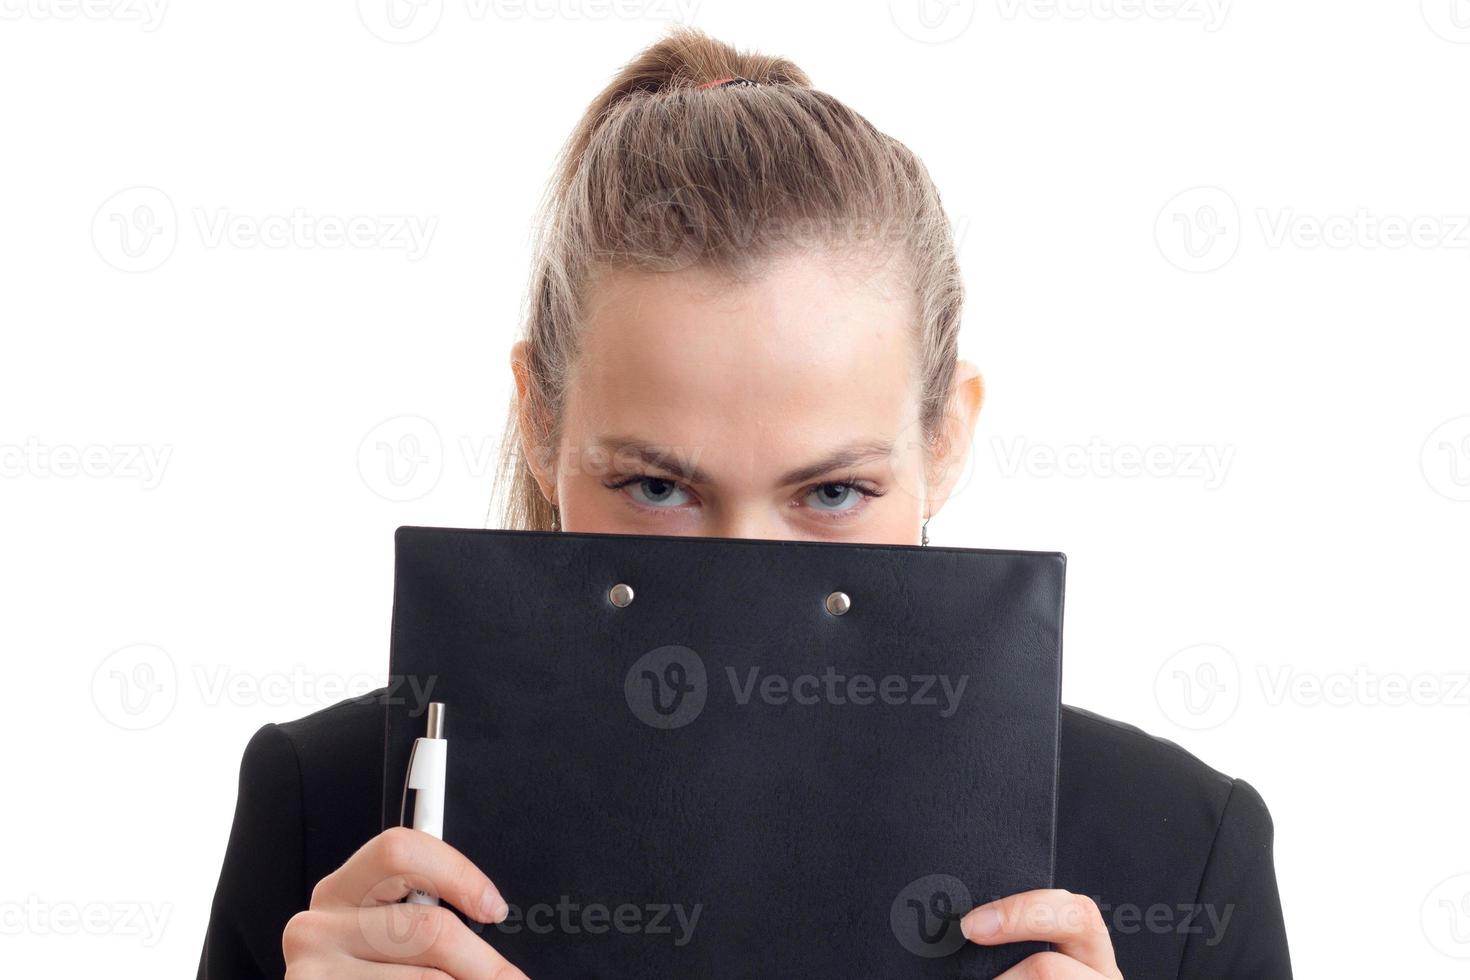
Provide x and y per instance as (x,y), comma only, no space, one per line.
(852,483)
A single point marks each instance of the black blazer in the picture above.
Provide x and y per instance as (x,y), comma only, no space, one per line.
(1177,855)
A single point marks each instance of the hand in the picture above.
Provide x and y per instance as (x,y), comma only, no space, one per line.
(356,926)
(1073,923)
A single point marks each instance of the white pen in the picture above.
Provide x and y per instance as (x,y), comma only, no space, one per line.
(426,771)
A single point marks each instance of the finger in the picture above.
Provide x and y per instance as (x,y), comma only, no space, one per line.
(325,943)
(1050,966)
(396,971)
(1071,922)
(398,861)
(420,935)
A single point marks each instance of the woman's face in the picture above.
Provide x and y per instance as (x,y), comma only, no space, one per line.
(785,407)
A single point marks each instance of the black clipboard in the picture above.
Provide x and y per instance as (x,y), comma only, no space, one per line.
(702,757)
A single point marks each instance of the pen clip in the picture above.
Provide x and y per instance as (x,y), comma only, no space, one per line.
(433,728)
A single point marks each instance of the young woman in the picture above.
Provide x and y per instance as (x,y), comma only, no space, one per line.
(742,323)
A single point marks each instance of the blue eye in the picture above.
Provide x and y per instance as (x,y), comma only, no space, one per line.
(656,492)
(835,497)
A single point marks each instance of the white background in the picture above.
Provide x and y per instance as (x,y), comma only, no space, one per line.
(1291,367)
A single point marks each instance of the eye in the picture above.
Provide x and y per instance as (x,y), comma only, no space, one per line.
(836,497)
(654,491)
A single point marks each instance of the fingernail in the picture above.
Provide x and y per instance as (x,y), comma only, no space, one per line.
(981,923)
(493,907)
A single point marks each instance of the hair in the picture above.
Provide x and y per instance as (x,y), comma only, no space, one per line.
(665,171)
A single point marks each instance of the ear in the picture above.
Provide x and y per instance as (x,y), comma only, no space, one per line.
(530,425)
(952,443)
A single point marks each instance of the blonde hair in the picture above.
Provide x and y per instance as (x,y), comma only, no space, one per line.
(665,171)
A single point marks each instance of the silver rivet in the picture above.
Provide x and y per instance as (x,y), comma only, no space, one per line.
(838,603)
(620,595)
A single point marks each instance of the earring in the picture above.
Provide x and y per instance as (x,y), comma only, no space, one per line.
(924,532)
(555,518)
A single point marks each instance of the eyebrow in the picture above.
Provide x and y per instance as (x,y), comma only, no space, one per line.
(671,458)
(848,456)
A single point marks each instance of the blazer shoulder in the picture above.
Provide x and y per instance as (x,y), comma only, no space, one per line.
(348,727)
(338,759)
(1143,824)
(1115,751)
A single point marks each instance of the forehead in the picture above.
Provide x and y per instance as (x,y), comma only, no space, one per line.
(814,351)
